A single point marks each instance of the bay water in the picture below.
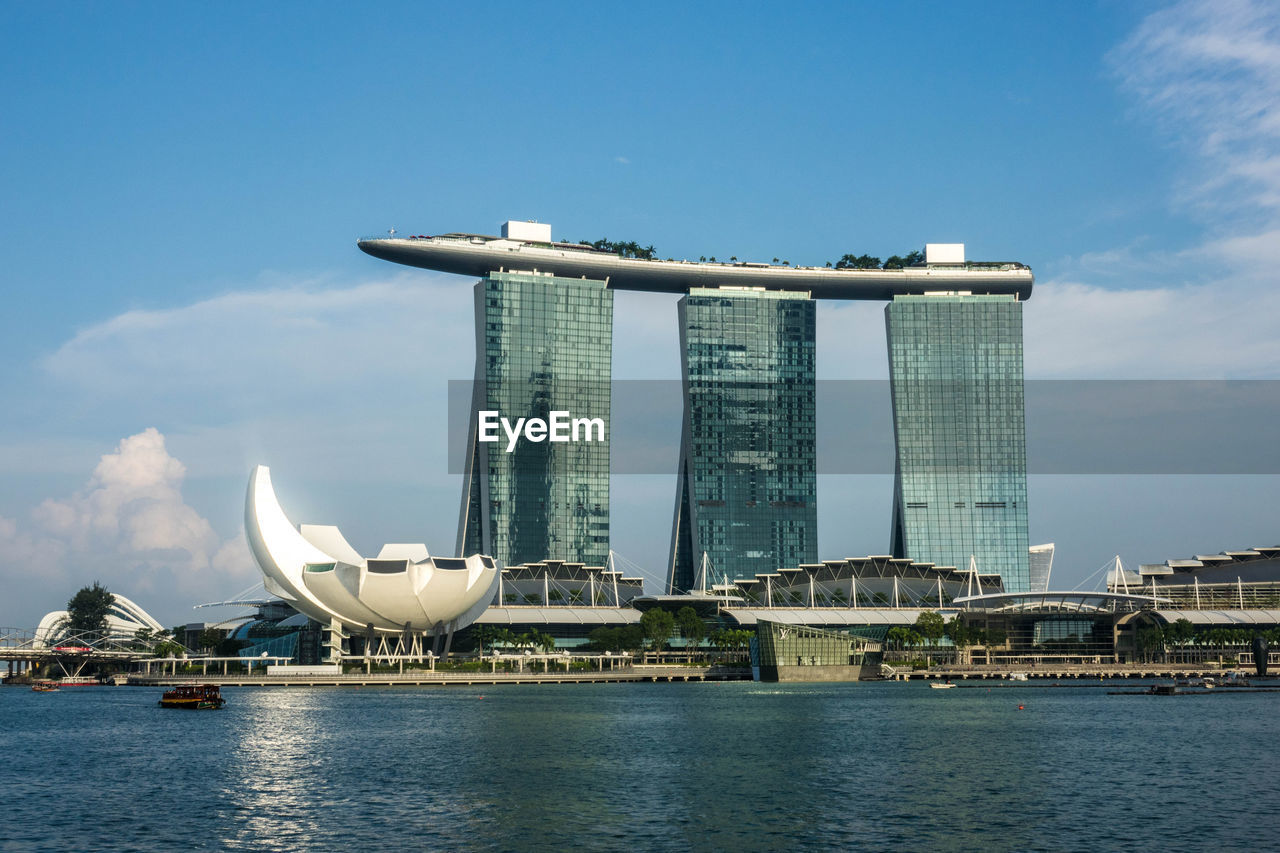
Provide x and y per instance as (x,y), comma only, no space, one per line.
(721,766)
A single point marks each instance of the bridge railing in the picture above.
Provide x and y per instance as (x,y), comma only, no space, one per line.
(16,638)
(21,639)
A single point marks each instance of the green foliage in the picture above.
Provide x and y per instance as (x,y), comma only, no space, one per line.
(536,640)
(209,638)
(931,626)
(87,611)
(484,635)
(731,638)
(894,262)
(625,248)
(461,666)
(871,262)
(168,649)
(692,628)
(1180,633)
(626,638)
(900,637)
(657,625)
(858,262)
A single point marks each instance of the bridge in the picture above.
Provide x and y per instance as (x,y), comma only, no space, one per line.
(25,650)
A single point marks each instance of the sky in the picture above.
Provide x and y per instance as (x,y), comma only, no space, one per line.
(184,184)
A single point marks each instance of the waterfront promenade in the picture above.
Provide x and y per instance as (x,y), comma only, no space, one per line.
(429,678)
(1059,671)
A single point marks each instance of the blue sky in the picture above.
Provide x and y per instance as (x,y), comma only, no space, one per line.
(184,185)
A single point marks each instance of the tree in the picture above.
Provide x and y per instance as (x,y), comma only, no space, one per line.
(625,248)
(857,262)
(931,626)
(165,646)
(1180,633)
(692,628)
(657,625)
(87,612)
(484,634)
(209,638)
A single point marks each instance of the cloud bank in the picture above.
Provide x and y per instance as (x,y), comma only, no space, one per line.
(128,527)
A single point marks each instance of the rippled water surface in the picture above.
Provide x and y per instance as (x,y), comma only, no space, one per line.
(733,766)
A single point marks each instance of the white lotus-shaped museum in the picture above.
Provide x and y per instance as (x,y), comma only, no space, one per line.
(319,574)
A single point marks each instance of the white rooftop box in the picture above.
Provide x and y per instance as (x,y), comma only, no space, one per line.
(533,232)
(944,253)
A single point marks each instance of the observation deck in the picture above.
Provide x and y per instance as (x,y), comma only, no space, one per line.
(478,255)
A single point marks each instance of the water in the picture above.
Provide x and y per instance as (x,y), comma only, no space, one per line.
(733,766)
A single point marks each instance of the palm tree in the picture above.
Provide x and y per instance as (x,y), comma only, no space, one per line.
(484,634)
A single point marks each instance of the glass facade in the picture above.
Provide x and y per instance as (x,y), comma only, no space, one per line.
(543,344)
(960,484)
(747,491)
(1041,567)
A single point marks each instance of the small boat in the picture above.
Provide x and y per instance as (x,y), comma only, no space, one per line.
(196,697)
(940,685)
(45,687)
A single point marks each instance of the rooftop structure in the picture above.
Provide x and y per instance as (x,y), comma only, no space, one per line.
(527,247)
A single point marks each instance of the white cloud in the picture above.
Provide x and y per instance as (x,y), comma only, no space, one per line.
(250,351)
(1219,330)
(128,527)
(1209,73)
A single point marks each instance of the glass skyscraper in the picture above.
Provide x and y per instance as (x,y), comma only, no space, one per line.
(747,490)
(543,344)
(960,484)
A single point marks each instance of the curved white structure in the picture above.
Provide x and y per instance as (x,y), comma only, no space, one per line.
(124,620)
(402,589)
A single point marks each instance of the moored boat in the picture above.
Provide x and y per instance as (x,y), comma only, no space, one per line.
(195,697)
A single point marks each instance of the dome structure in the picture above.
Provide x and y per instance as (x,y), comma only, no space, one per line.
(404,588)
(124,619)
